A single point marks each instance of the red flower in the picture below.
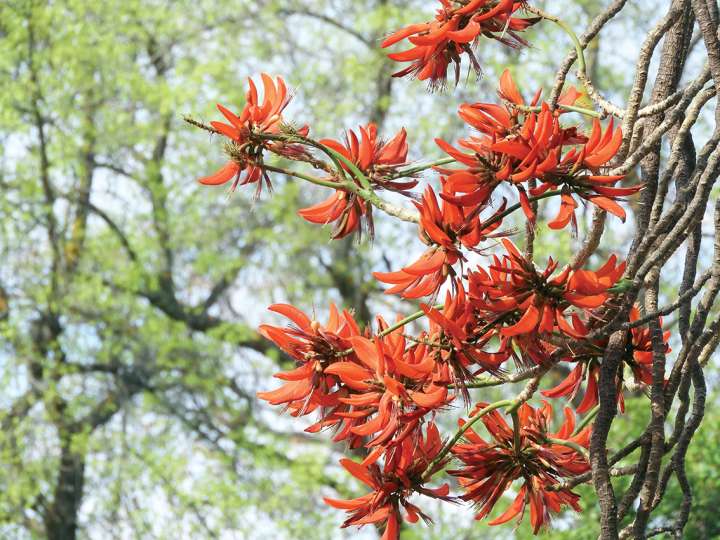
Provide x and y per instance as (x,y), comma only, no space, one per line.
(343,207)
(446,229)
(245,148)
(588,367)
(484,171)
(578,173)
(455,30)
(537,152)
(377,389)
(571,384)
(460,333)
(314,348)
(393,484)
(422,278)
(535,303)
(378,160)
(491,467)
(390,395)
(501,127)
(642,349)
(516,146)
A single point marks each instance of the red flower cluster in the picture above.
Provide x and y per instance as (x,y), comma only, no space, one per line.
(517,144)
(642,349)
(388,384)
(401,476)
(535,302)
(639,359)
(377,160)
(456,29)
(314,348)
(381,391)
(245,148)
(446,228)
(377,394)
(378,389)
(460,334)
(520,303)
(538,458)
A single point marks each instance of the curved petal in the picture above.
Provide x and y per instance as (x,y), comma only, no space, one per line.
(221,176)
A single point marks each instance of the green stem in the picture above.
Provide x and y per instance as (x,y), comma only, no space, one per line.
(423,167)
(579,449)
(460,432)
(515,405)
(359,175)
(482,382)
(579,49)
(312,179)
(516,431)
(589,417)
(390,329)
(364,190)
(410,318)
(581,110)
(295,138)
(573,36)
(367,192)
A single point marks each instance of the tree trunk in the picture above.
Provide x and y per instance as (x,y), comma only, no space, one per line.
(61,517)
